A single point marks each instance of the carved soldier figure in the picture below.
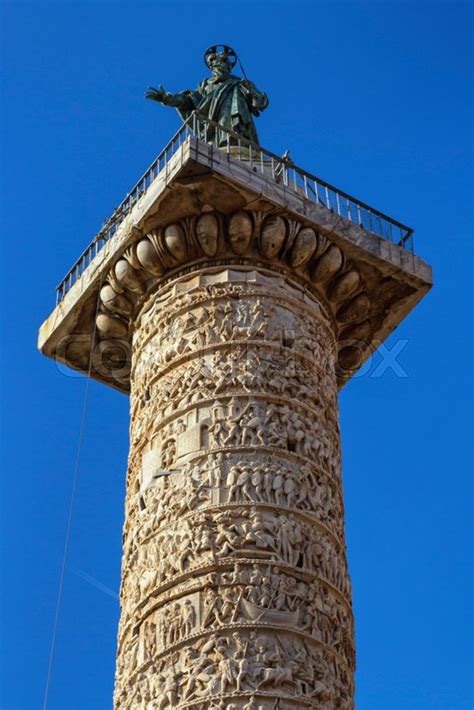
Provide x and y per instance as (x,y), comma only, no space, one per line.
(226,665)
(259,319)
(242,663)
(225,606)
(257,482)
(251,424)
(218,429)
(188,617)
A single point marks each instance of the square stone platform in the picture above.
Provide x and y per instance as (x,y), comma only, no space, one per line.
(200,177)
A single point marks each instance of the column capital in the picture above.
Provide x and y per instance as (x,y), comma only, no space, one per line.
(208,209)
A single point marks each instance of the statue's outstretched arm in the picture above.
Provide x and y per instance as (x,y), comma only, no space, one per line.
(182,100)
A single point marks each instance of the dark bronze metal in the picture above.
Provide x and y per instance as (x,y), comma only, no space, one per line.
(224,99)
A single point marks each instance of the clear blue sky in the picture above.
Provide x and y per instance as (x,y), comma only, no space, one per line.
(374,97)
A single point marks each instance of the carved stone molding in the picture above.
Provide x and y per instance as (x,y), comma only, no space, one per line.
(244,239)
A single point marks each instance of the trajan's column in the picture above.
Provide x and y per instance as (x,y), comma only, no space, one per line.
(231,294)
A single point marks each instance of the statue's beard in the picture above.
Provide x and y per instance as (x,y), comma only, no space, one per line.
(220,72)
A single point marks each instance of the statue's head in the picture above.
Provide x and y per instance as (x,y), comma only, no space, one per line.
(220,59)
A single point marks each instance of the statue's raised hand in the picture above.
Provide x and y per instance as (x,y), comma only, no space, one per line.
(158,94)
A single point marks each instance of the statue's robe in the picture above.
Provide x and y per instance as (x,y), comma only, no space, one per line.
(231,102)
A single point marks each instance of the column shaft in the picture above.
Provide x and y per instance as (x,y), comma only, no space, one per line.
(235,591)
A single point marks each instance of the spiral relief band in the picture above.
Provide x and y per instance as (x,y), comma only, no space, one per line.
(235,591)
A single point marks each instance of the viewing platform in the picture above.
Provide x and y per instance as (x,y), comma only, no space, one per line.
(205,166)
(281,171)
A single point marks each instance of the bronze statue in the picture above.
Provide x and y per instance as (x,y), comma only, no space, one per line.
(223,98)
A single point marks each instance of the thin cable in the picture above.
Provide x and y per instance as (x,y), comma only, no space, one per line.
(71,508)
(242,67)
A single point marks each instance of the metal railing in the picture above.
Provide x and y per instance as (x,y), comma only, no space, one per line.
(280,169)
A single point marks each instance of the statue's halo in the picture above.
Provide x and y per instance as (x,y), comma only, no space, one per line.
(221,49)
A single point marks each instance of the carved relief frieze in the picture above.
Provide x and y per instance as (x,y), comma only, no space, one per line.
(235,590)
(237,667)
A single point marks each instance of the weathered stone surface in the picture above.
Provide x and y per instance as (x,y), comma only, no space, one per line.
(235,582)
(148,257)
(240,231)
(304,247)
(273,235)
(207,234)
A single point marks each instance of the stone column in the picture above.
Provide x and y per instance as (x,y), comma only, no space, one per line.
(235,591)
(231,301)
